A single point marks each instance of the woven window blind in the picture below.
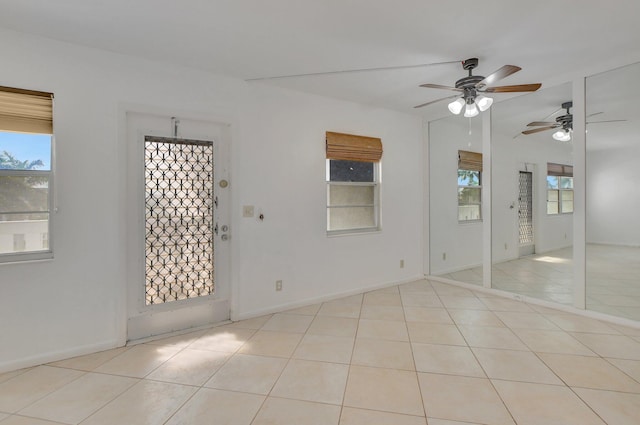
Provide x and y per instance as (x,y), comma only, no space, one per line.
(26,111)
(471,161)
(559,170)
(349,147)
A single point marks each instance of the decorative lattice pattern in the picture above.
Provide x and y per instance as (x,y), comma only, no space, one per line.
(525,211)
(179,219)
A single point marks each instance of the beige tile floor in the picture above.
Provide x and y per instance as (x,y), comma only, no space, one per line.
(613,278)
(415,354)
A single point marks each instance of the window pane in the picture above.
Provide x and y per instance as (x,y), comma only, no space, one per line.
(552,207)
(350,171)
(351,218)
(566,182)
(24,232)
(567,195)
(552,195)
(468,212)
(351,195)
(24,194)
(468,178)
(552,182)
(20,151)
(467,195)
(567,206)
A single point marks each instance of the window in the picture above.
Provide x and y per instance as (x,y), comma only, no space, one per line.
(469,186)
(559,189)
(26,128)
(353,183)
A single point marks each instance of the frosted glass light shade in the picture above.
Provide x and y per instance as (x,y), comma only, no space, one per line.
(456,106)
(562,135)
(483,102)
(471,110)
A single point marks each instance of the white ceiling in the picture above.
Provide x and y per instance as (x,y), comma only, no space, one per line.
(266,38)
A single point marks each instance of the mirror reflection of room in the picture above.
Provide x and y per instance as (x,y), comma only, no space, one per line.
(455,193)
(613,193)
(532,195)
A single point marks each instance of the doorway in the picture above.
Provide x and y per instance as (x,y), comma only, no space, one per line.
(525,214)
(178,227)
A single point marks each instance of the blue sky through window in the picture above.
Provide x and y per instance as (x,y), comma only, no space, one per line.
(26,146)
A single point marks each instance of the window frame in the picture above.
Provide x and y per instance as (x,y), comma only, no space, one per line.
(376,183)
(44,254)
(479,204)
(559,191)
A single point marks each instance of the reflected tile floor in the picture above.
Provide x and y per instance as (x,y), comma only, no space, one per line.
(613,278)
(421,353)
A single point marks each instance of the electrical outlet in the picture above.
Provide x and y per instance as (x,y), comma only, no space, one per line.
(505,246)
(402,264)
(278,285)
(444,256)
(247,211)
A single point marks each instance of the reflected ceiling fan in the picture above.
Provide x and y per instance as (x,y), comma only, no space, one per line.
(563,122)
(471,88)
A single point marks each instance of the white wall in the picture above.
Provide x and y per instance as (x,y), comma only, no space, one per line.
(509,156)
(613,196)
(461,242)
(76,303)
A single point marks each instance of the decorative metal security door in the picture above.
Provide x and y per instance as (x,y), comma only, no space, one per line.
(178,224)
(525,214)
(179,241)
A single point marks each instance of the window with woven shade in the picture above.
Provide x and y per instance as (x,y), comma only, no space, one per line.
(469,186)
(559,189)
(353,183)
(26,174)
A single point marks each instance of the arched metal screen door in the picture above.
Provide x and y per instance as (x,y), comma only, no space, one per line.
(525,213)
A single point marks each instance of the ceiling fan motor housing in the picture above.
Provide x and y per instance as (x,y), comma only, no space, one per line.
(566,121)
(469,83)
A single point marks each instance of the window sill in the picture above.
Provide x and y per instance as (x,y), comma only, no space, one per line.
(470,222)
(31,257)
(350,232)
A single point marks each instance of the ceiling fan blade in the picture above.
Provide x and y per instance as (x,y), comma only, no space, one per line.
(595,113)
(438,86)
(436,101)
(600,122)
(513,89)
(503,72)
(537,130)
(539,123)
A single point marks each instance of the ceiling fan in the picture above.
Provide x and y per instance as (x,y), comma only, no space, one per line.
(471,88)
(563,122)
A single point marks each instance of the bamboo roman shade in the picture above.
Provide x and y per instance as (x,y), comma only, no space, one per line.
(349,147)
(471,161)
(559,170)
(26,111)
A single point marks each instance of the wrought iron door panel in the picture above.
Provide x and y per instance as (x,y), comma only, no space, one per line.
(525,208)
(178,219)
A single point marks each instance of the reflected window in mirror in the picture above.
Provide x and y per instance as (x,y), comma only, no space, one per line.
(469,186)
(559,189)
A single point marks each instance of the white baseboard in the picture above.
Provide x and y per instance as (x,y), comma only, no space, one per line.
(459,268)
(55,356)
(309,301)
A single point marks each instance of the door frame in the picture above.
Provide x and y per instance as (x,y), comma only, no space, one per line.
(142,321)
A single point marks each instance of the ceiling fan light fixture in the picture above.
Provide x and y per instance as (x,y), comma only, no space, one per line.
(562,135)
(471,110)
(456,106)
(484,102)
